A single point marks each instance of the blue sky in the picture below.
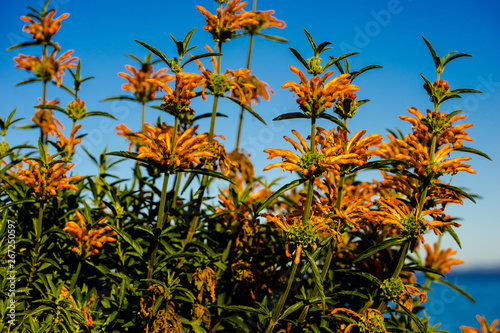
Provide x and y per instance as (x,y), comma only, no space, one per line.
(387,33)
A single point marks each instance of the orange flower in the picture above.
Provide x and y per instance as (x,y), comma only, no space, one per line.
(205,280)
(177,102)
(266,20)
(417,154)
(227,21)
(440,259)
(130,136)
(242,85)
(83,309)
(45,119)
(140,82)
(46,180)
(484,327)
(68,145)
(47,26)
(398,213)
(439,123)
(48,68)
(158,147)
(335,151)
(220,159)
(316,95)
(88,241)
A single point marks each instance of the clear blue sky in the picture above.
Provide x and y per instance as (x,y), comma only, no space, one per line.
(387,33)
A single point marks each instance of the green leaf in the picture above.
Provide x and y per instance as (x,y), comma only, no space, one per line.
(473,151)
(378,247)
(291,115)
(27,81)
(22,45)
(413,317)
(465,90)
(457,190)
(365,275)
(457,289)
(315,253)
(126,237)
(242,308)
(323,46)
(317,278)
(248,108)
(299,57)
(362,70)
(275,195)
(157,52)
(100,113)
(311,40)
(273,38)
(114,98)
(292,309)
(413,268)
(453,234)
(436,59)
(199,56)
(377,164)
(17,203)
(334,119)
(458,55)
(207,172)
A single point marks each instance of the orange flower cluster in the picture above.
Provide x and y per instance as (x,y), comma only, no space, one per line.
(88,242)
(407,219)
(187,149)
(440,259)
(334,153)
(144,82)
(485,328)
(48,67)
(243,85)
(227,21)
(45,120)
(266,20)
(47,27)
(47,180)
(67,145)
(84,310)
(130,136)
(177,102)
(317,94)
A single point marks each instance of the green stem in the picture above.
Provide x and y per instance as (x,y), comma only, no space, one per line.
(281,302)
(159,225)
(143,130)
(75,276)
(242,111)
(38,235)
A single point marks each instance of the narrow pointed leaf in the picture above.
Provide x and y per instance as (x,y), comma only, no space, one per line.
(247,108)
(275,195)
(453,234)
(119,98)
(323,46)
(455,57)
(200,56)
(456,189)
(465,90)
(291,309)
(208,115)
(317,278)
(291,115)
(22,45)
(413,268)
(187,39)
(457,289)
(437,61)
(473,151)
(100,113)
(334,119)
(51,107)
(27,81)
(413,317)
(16,203)
(299,57)
(365,275)
(273,38)
(207,172)
(311,40)
(126,237)
(156,51)
(378,247)
(362,70)
(377,164)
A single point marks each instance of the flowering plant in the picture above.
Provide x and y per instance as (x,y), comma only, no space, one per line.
(160,252)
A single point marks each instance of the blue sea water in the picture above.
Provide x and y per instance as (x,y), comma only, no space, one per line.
(453,310)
